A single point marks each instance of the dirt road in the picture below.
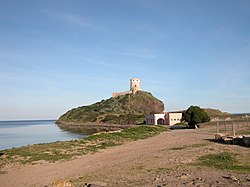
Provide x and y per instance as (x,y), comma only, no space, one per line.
(162,160)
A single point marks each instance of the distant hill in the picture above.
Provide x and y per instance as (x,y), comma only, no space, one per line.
(213,113)
(124,109)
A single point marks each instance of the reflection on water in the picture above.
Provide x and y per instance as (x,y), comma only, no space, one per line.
(86,131)
(20,133)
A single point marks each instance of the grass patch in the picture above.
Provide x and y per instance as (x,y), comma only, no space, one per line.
(189,146)
(177,148)
(55,151)
(198,145)
(226,161)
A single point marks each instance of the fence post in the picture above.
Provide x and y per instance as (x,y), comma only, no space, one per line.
(234,128)
(218,126)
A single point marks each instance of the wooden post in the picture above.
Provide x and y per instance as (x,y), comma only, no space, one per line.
(218,126)
(225,125)
(234,128)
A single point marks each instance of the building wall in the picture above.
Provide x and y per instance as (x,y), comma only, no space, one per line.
(173,118)
(159,116)
(152,119)
(169,118)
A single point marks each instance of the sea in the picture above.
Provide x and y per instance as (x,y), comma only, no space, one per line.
(21,133)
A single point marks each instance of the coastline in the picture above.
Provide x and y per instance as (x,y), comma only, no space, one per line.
(90,125)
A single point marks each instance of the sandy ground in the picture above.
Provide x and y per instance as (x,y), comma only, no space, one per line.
(163,160)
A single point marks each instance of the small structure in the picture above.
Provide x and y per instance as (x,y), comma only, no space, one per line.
(155,119)
(135,85)
(173,118)
(169,118)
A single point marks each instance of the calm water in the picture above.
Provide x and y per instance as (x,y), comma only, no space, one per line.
(20,133)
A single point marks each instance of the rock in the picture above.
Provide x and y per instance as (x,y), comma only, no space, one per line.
(199,179)
(246,140)
(198,184)
(97,184)
(233,178)
(219,136)
(183,176)
(61,183)
(228,140)
(156,178)
(237,141)
(218,182)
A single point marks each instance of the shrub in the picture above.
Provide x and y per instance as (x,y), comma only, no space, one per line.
(195,115)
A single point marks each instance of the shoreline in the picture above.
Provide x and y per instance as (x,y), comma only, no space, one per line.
(90,125)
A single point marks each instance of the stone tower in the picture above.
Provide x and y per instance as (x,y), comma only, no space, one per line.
(135,85)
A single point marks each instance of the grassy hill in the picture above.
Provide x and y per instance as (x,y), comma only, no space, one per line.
(214,113)
(125,109)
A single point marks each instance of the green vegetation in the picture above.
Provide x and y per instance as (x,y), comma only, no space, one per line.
(65,150)
(181,124)
(125,109)
(189,146)
(226,161)
(195,115)
(213,113)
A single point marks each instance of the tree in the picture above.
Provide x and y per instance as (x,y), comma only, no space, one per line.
(195,115)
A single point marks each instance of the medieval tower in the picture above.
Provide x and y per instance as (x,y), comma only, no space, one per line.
(135,85)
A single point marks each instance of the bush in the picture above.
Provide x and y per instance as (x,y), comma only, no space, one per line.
(195,115)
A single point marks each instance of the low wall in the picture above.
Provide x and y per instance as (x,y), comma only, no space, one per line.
(115,94)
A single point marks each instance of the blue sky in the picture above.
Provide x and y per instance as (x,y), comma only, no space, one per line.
(55,55)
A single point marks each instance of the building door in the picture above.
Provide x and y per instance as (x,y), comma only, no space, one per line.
(160,121)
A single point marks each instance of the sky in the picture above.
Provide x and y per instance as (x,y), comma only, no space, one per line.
(59,54)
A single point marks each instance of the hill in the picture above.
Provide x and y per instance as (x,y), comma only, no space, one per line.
(123,110)
(213,113)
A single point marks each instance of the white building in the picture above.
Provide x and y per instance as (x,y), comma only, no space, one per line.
(173,118)
(164,119)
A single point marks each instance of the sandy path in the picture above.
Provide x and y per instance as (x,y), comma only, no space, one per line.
(120,156)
